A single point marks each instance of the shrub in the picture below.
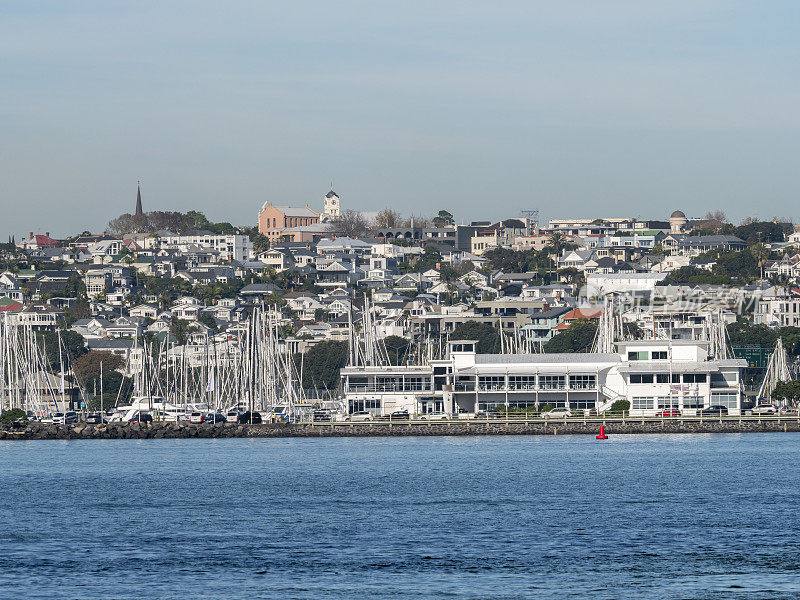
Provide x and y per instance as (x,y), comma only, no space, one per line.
(15,414)
(620,406)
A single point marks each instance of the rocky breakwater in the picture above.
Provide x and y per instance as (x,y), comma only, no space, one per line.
(82,431)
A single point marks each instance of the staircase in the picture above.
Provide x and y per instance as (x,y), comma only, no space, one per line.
(611,396)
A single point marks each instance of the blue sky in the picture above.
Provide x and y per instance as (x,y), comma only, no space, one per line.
(579,108)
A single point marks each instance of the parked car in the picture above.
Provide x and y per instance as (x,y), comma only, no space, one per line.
(321,415)
(65,418)
(215,418)
(232,416)
(557,413)
(399,414)
(669,412)
(713,411)
(252,418)
(196,417)
(765,409)
(434,416)
(361,415)
(142,417)
(96,418)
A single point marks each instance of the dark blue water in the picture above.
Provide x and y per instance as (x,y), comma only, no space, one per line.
(690,516)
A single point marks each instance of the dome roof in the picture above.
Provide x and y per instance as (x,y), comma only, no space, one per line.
(678,214)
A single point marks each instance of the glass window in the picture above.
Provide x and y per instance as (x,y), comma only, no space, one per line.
(692,402)
(642,378)
(668,402)
(662,377)
(582,382)
(640,355)
(642,403)
(727,400)
(491,382)
(551,382)
(522,382)
(660,355)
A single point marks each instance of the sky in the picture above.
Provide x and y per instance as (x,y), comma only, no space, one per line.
(576,108)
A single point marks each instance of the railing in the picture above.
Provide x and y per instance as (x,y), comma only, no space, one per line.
(427,387)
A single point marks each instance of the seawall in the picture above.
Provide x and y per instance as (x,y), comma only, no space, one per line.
(81,431)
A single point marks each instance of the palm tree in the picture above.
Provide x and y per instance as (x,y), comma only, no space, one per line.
(761,254)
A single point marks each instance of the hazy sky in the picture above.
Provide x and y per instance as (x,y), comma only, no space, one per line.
(585,108)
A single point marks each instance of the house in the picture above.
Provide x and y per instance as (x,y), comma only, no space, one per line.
(543,324)
(622,283)
(278,258)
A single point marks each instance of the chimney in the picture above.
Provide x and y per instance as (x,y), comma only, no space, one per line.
(47,233)
(31,236)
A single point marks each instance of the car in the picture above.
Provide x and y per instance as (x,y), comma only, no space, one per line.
(361,415)
(557,413)
(399,414)
(232,416)
(215,418)
(434,416)
(765,409)
(96,418)
(142,417)
(65,418)
(196,417)
(321,415)
(250,418)
(713,411)
(669,412)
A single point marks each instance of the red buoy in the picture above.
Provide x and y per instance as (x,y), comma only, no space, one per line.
(602,435)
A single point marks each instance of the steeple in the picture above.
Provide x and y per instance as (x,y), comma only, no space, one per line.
(139,212)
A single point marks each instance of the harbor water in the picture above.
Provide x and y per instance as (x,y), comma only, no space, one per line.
(635,516)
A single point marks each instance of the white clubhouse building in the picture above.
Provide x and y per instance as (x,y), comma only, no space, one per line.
(651,374)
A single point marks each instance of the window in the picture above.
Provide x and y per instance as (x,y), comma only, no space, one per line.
(642,378)
(522,382)
(491,382)
(582,382)
(694,378)
(727,400)
(660,355)
(642,403)
(668,402)
(692,402)
(662,377)
(551,382)
(642,355)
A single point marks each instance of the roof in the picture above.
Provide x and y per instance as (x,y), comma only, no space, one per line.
(331,194)
(678,214)
(567,357)
(293,211)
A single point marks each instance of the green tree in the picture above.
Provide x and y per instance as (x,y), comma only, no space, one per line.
(443,219)
(487,336)
(788,391)
(743,333)
(71,347)
(87,367)
(579,337)
(179,329)
(321,365)
(397,348)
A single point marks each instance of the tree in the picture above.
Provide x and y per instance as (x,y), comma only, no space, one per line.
(715,221)
(179,329)
(487,336)
(321,365)
(87,367)
(71,347)
(760,254)
(579,337)
(790,336)
(350,223)
(209,321)
(397,348)
(443,219)
(787,390)
(388,219)
(742,334)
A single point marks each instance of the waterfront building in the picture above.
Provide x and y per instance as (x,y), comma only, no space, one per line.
(651,374)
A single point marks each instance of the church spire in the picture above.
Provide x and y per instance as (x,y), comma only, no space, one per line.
(139,212)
